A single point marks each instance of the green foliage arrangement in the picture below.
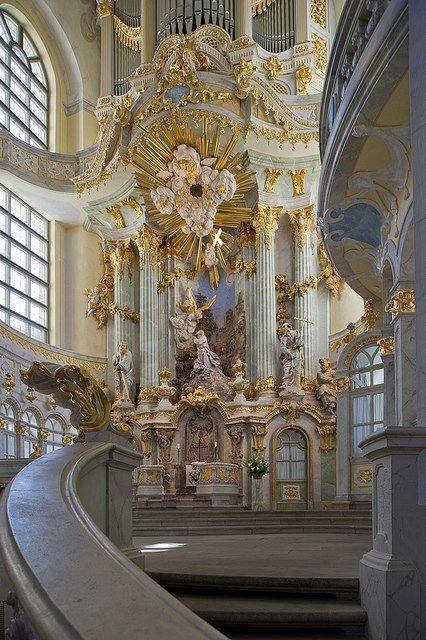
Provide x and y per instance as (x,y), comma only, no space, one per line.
(257,466)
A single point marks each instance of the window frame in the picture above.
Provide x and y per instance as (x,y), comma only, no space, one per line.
(369,391)
(9,434)
(12,58)
(25,271)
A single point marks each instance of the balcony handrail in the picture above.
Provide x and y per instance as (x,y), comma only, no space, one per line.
(70,580)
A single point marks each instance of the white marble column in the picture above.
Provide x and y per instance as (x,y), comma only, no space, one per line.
(265,337)
(246,285)
(243,19)
(149,325)
(124,298)
(167,303)
(105,11)
(148,35)
(305,306)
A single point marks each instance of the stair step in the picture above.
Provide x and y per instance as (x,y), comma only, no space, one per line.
(342,588)
(275,612)
(290,634)
(247,530)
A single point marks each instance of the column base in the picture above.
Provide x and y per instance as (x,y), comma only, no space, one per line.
(390,594)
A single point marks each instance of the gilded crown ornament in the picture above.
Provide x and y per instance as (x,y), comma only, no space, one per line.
(200,399)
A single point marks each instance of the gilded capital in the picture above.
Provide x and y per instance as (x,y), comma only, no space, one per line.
(105,8)
(266,219)
(298,179)
(301,223)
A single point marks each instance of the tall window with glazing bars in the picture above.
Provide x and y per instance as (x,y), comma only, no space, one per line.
(24,93)
(24,267)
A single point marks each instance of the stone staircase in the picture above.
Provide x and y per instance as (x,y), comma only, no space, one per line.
(286,608)
(239,521)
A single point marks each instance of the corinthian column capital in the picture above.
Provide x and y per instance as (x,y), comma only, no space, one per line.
(301,223)
(266,219)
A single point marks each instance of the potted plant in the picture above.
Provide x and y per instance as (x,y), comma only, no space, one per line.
(257,466)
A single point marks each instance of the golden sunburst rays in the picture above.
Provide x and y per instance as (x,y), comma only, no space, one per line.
(152,156)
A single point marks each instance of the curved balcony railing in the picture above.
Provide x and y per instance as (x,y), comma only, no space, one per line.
(358,30)
(60,538)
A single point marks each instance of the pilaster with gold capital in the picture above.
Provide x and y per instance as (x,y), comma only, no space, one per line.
(305,307)
(105,13)
(265,222)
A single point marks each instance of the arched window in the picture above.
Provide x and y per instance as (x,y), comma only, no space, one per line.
(24,92)
(24,267)
(28,420)
(56,430)
(366,373)
(8,447)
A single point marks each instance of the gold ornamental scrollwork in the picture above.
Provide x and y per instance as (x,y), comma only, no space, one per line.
(74,389)
(200,399)
(244,72)
(105,8)
(303,75)
(342,384)
(402,301)
(258,434)
(327,433)
(372,314)
(271,179)
(265,385)
(319,13)
(328,274)
(386,346)
(273,67)
(298,181)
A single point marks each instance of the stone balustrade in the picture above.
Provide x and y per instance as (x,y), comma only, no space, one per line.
(362,32)
(67,565)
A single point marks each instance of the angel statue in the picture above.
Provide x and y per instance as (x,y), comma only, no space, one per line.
(291,356)
(187,318)
(124,377)
(326,393)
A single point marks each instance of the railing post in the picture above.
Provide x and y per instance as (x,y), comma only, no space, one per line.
(243,19)
(148,30)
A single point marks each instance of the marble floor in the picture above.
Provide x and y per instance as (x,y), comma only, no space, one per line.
(304,555)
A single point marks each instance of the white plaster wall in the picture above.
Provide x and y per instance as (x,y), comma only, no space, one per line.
(81,267)
(348,309)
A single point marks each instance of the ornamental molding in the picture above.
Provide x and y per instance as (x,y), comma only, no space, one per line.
(402,301)
(47,352)
(36,166)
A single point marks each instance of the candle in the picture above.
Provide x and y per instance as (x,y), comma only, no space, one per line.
(215,444)
(178,446)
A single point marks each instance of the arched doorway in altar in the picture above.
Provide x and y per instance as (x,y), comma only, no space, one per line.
(291,469)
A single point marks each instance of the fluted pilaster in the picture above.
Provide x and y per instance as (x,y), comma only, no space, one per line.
(305,306)
(149,325)
(265,339)
(105,10)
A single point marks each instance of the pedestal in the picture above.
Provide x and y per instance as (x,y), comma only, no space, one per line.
(393,573)
(257,503)
(150,482)
(219,481)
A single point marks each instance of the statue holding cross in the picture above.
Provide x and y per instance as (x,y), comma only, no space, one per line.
(291,356)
